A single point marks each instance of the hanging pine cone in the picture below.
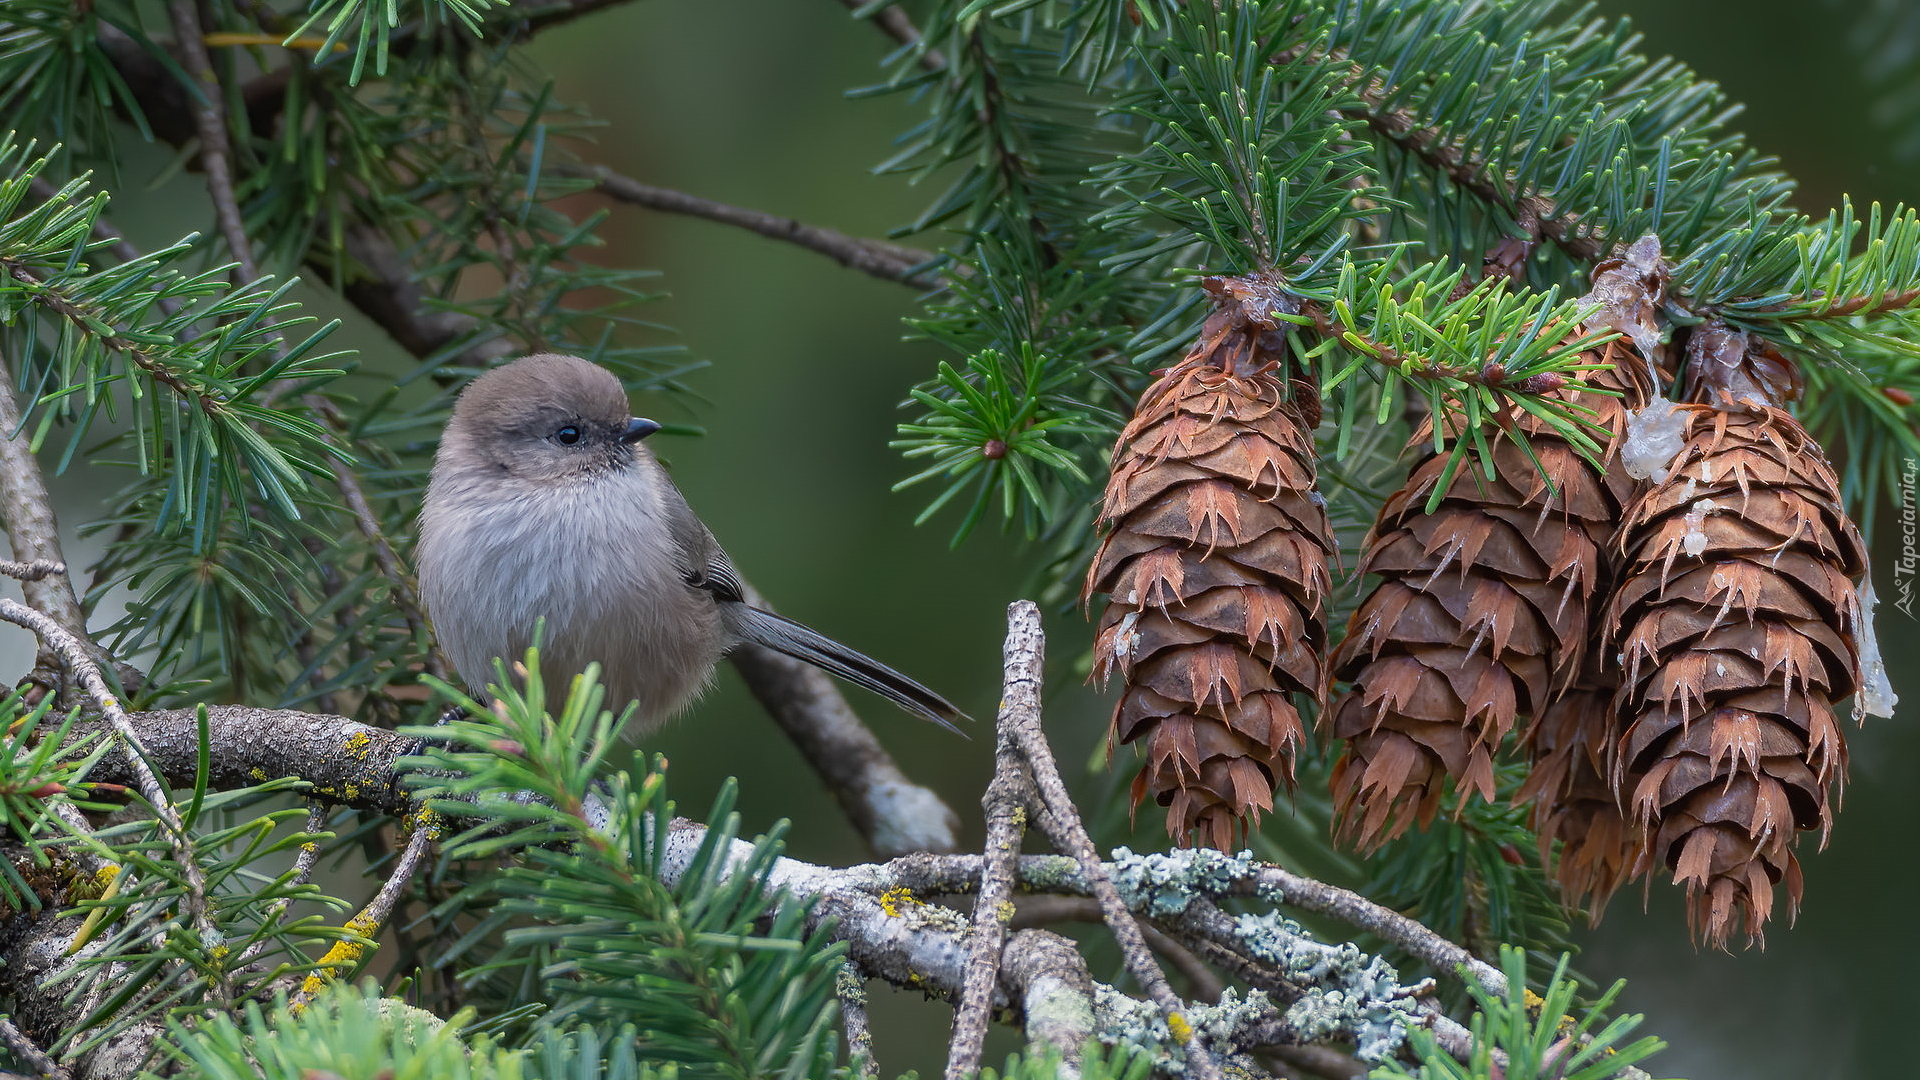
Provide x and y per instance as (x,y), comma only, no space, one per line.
(1482,612)
(1571,746)
(1216,570)
(1736,621)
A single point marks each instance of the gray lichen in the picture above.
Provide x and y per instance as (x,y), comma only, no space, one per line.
(1165,884)
(1131,1022)
(1349,992)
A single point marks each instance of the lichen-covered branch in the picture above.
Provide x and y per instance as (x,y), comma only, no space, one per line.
(345,762)
(1062,824)
(1005,806)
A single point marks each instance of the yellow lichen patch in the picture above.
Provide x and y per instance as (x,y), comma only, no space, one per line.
(1004,912)
(113,878)
(1178,1027)
(258,773)
(97,884)
(358,742)
(896,902)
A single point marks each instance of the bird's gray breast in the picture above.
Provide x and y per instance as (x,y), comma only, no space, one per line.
(596,559)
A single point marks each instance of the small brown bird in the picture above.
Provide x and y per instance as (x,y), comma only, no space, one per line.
(544,502)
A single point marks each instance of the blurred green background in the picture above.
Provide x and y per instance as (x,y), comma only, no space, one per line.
(744,101)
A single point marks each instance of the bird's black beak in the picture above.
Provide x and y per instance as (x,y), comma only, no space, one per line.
(637,429)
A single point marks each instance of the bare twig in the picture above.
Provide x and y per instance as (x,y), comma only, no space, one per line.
(896,24)
(303,865)
(1005,804)
(72,653)
(29,1052)
(210,119)
(345,955)
(890,262)
(1323,1061)
(32,571)
(1062,825)
(851,989)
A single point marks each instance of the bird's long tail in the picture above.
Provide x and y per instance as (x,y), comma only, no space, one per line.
(783,635)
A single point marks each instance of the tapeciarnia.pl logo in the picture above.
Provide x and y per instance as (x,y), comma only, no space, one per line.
(1905,570)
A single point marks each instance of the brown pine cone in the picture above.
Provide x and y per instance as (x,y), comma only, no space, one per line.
(1216,570)
(1571,745)
(1735,620)
(1482,612)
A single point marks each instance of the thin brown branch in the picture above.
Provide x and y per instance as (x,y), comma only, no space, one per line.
(893,21)
(1493,375)
(889,262)
(1062,824)
(72,652)
(1005,805)
(29,1052)
(210,119)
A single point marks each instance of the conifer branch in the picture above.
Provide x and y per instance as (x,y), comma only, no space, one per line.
(894,21)
(1862,305)
(878,258)
(1534,214)
(1493,376)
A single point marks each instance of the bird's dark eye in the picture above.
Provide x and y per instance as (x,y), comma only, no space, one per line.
(567,436)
